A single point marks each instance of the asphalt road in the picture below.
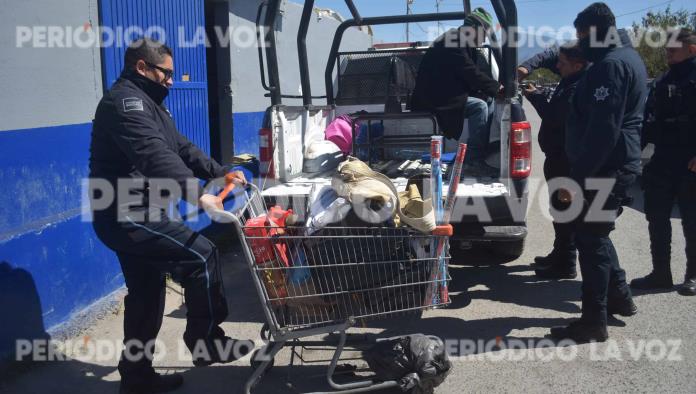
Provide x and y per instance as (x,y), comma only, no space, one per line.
(493,304)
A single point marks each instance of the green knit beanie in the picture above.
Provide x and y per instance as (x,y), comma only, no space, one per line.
(479,17)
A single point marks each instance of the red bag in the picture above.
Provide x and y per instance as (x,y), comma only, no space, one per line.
(265,249)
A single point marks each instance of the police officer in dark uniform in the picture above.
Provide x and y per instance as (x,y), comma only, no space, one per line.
(137,151)
(671,174)
(603,148)
(560,263)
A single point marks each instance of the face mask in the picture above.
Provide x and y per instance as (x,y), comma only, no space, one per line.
(156,91)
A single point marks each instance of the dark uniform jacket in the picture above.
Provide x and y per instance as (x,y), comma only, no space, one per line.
(670,121)
(549,57)
(447,76)
(134,137)
(553,115)
(606,115)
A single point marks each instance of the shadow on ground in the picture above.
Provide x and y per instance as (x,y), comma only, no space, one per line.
(470,281)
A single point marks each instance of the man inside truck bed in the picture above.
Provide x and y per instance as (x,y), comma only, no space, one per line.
(452,85)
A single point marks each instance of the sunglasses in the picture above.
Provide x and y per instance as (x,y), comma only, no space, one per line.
(167,72)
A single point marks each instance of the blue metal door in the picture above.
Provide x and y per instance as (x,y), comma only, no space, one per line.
(180,24)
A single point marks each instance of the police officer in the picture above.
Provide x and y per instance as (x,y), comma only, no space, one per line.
(564,254)
(671,174)
(136,149)
(603,148)
(560,263)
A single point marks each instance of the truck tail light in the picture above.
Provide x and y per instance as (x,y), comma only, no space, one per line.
(520,150)
(266,153)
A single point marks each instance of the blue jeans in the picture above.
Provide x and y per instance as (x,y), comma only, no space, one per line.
(478,113)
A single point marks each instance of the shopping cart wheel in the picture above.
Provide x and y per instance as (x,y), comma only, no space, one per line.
(265,332)
(256,362)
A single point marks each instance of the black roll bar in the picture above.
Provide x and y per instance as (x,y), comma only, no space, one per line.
(271,52)
(259,39)
(354,11)
(505,10)
(509,49)
(379,20)
(302,52)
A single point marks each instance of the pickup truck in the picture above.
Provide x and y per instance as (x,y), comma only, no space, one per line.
(373,86)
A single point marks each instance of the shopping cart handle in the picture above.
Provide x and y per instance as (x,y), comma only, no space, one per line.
(444,230)
(223,216)
(229,185)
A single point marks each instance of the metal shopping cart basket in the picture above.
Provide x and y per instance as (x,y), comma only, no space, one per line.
(331,280)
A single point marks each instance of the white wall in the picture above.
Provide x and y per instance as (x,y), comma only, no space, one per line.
(246,82)
(42,87)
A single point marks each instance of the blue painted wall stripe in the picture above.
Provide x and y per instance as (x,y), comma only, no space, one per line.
(41,231)
(40,175)
(71,267)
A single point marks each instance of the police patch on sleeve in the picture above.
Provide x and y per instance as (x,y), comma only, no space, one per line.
(132,104)
(601,93)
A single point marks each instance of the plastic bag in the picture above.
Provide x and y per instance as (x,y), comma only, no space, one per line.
(418,362)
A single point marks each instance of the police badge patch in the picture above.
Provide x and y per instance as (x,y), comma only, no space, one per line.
(132,104)
(601,93)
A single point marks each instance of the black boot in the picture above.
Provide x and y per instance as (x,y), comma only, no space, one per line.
(689,286)
(654,280)
(221,350)
(560,263)
(621,306)
(562,254)
(543,261)
(156,384)
(557,271)
(581,332)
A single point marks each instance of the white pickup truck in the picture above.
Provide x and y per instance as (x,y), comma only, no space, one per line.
(374,87)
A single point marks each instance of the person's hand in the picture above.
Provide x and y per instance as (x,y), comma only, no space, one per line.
(236,177)
(692,164)
(210,203)
(529,89)
(501,92)
(565,195)
(522,73)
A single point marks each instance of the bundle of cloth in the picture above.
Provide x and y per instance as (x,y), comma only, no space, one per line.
(372,197)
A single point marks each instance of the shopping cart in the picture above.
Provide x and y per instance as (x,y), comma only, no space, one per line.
(325,282)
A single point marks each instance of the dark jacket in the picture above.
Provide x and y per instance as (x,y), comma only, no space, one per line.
(549,57)
(447,76)
(134,136)
(606,115)
(553,115)
(670,121)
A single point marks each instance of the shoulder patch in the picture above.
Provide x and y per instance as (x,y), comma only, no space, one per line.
(132,104)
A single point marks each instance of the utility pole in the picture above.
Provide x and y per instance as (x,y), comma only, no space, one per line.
(437,10)
(409,11)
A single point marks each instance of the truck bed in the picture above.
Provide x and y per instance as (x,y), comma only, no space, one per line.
(398,172)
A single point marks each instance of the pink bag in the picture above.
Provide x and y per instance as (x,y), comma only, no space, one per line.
(339,132)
